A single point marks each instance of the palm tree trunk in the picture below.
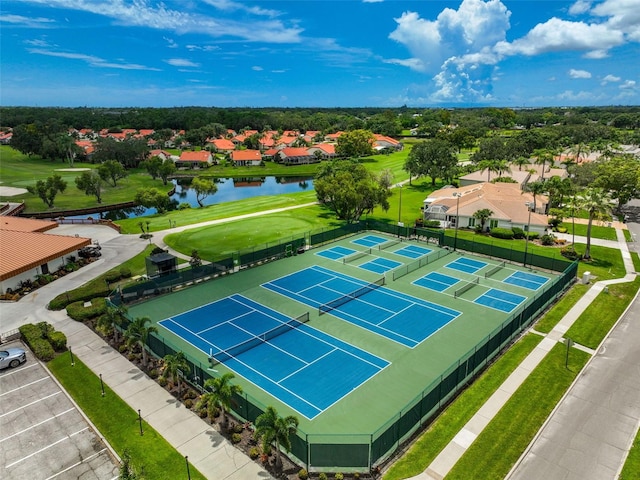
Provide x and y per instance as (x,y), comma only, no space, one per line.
(587,251)
(144,356)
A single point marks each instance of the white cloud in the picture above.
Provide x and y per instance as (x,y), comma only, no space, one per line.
(37,22)
(181,62)
(579,73)
(204,48)
(257,68)
(628,84)
(610,79)
(170,42)
(581,6)
(91,60)
(231,6)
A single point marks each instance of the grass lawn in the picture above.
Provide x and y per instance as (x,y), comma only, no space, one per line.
(220,241)
(191,216)
(594,324)
(119,423)
(560,309)
(502,442)
(449,423)
(597,231)
(632,465)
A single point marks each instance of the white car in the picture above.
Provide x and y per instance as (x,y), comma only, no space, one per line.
(12,357)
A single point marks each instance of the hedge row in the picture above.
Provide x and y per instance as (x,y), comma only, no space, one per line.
(97,288)
(43,340)
(79,312)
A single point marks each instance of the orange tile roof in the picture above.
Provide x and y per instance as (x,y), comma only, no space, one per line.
(245,155)
(20,224)
(23,251)
(295,152)
(223,144)
(199,156)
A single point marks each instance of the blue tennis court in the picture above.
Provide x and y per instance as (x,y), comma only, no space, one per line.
(526,280)
(436,281)
(413,251)
(466,265)
(336,253)
(399,317)
(380,265)
(307,369)
(370,241)
(500,300)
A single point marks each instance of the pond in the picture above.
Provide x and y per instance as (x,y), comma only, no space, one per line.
(229,189)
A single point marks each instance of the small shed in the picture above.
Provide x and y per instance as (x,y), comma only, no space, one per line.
(160,264)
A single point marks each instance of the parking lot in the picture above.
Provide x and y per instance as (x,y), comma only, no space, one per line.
(42,433)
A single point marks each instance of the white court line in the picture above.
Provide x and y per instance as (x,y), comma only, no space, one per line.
(79,463)
(68,437)
(36,425)
(25,385)
(29,404)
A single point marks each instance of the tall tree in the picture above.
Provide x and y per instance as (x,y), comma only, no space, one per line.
(274,429)
(354,144)
(203,188)
(349,189)
(220,393)
(435,158)
(173,365)
(112,171)
(152,198)
(48,190)
(543,157)
(483,215)
(137,333)
(535,189)
(167,169)
(111,320)
(619,176)
(596,202)
(152,166)
(91,184)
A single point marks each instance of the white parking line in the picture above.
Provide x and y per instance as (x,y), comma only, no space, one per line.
(76,464)
(25,385)
(31,365)
(29,404)
(37,424)
(68,437)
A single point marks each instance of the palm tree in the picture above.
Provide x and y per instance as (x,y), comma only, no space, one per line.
(173,364)
(272,428)
(543,156)
(483,215)
(111,320)
(138,333)
(596,202)
(520,162)
(220,394)
(535,189)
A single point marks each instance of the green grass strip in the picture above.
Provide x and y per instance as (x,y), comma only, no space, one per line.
(560,309)
(451,421)
(632,464)
(593,325)
(502,442)
(119,424)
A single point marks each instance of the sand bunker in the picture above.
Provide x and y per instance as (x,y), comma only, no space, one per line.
(72,169)
(11,191)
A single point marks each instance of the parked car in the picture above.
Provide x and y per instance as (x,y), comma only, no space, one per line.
(12,357)
(90,251)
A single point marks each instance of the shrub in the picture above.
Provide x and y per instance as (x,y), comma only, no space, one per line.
(162,382)
(254,453)
(237,428)
(322,476)
(30,332)
(112,276)
(125,272)
(58,341)
(82,294)
(122,348)
(478,229)
(533,235)
(236,438)
(517,232)
(303,474)
(570,253)
(153,373)
(184,206)
(188,403)
(42,349)
(548,240)
(504,233)
(432,224)
(339,476)
(562,229)
(79,312)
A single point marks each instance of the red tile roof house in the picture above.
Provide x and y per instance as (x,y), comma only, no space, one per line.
(28,252)
(246,158)
(297,156)
(222,145)
(381,142)
(162,154)
(509,204)
(199,159)
(327,150)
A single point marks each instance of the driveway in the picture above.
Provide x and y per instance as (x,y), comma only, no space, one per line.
(43,434)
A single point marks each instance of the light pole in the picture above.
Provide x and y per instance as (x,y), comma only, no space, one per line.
(526,238)
(400,205)
(455,237)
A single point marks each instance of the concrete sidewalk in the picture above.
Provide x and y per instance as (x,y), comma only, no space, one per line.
(446,460)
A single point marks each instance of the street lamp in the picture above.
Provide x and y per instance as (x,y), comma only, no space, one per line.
(455,237)
(400,205)
(526,238)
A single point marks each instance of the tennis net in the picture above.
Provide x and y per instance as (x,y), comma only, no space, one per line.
(466,288)
(389,244)
(495,269)
(332,305)
(355,256)
(235,350)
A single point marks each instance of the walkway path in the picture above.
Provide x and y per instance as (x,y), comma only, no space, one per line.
(626,413)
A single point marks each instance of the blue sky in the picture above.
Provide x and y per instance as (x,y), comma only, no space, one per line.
(326,53)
